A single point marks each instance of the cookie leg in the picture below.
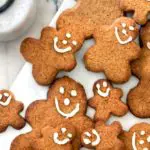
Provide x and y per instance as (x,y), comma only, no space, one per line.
(118,73)
(18,122)
(44,75)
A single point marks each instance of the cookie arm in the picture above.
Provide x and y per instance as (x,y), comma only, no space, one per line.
(92,102)
(30,49)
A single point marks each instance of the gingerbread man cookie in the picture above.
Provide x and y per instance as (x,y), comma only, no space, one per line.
(9,111)
(141,9)
(107,101)
(66,103)
(139,97)
(114,50)
(138,137)
(87,14)
(103,137)
(52,53)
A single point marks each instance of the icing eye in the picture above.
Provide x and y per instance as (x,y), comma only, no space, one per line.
(104,84)
(73,93)
(74,43)
(131,28)
(1,96)
(64,42)
(62,90)
(68,35)
(69,135)
(148,139)
(63,130)
(6,94)
(123,25)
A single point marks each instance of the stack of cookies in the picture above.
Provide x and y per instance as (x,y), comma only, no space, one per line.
(60,121)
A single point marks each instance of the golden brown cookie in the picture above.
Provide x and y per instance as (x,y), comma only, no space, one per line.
(141,9)
(138,137)
(53,52)
(49,138)
(10,111)
(103,137)
(87,14)
(114,50)
(107,101)
(139,97)
(66,103)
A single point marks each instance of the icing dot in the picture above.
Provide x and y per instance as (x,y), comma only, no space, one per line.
(6,94)
(1,96)
(74,43)
(64,42)
(123,24)
(62,90)
(69,135)
(142,132)
(145,148)
(86,141)
(141,142)
(124,31)
(68,35)
(131,28)
(148,139)
(98,86)
(66,101)
(148,45)
(73,93)
(63,130)
(104,84)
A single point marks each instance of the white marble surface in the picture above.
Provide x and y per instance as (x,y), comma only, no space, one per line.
(11,60)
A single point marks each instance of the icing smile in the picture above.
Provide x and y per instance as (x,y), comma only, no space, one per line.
(94,143)
(64,42)
(100,92)
(119,39)
(67,115)
(60,50)
(6,103)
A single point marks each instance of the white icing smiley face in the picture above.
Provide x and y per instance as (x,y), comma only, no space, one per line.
(67,102)
(8,100)
(88,135)
(148,45)
(142,141)
(100,92)
(65,140)
(125,30)
(65,42)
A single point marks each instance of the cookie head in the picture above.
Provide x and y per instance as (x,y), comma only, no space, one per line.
(63,136)
(126,30)
(5,98)
(138,137)
(91,138)
(67,41)
(102,88)
(68,97)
